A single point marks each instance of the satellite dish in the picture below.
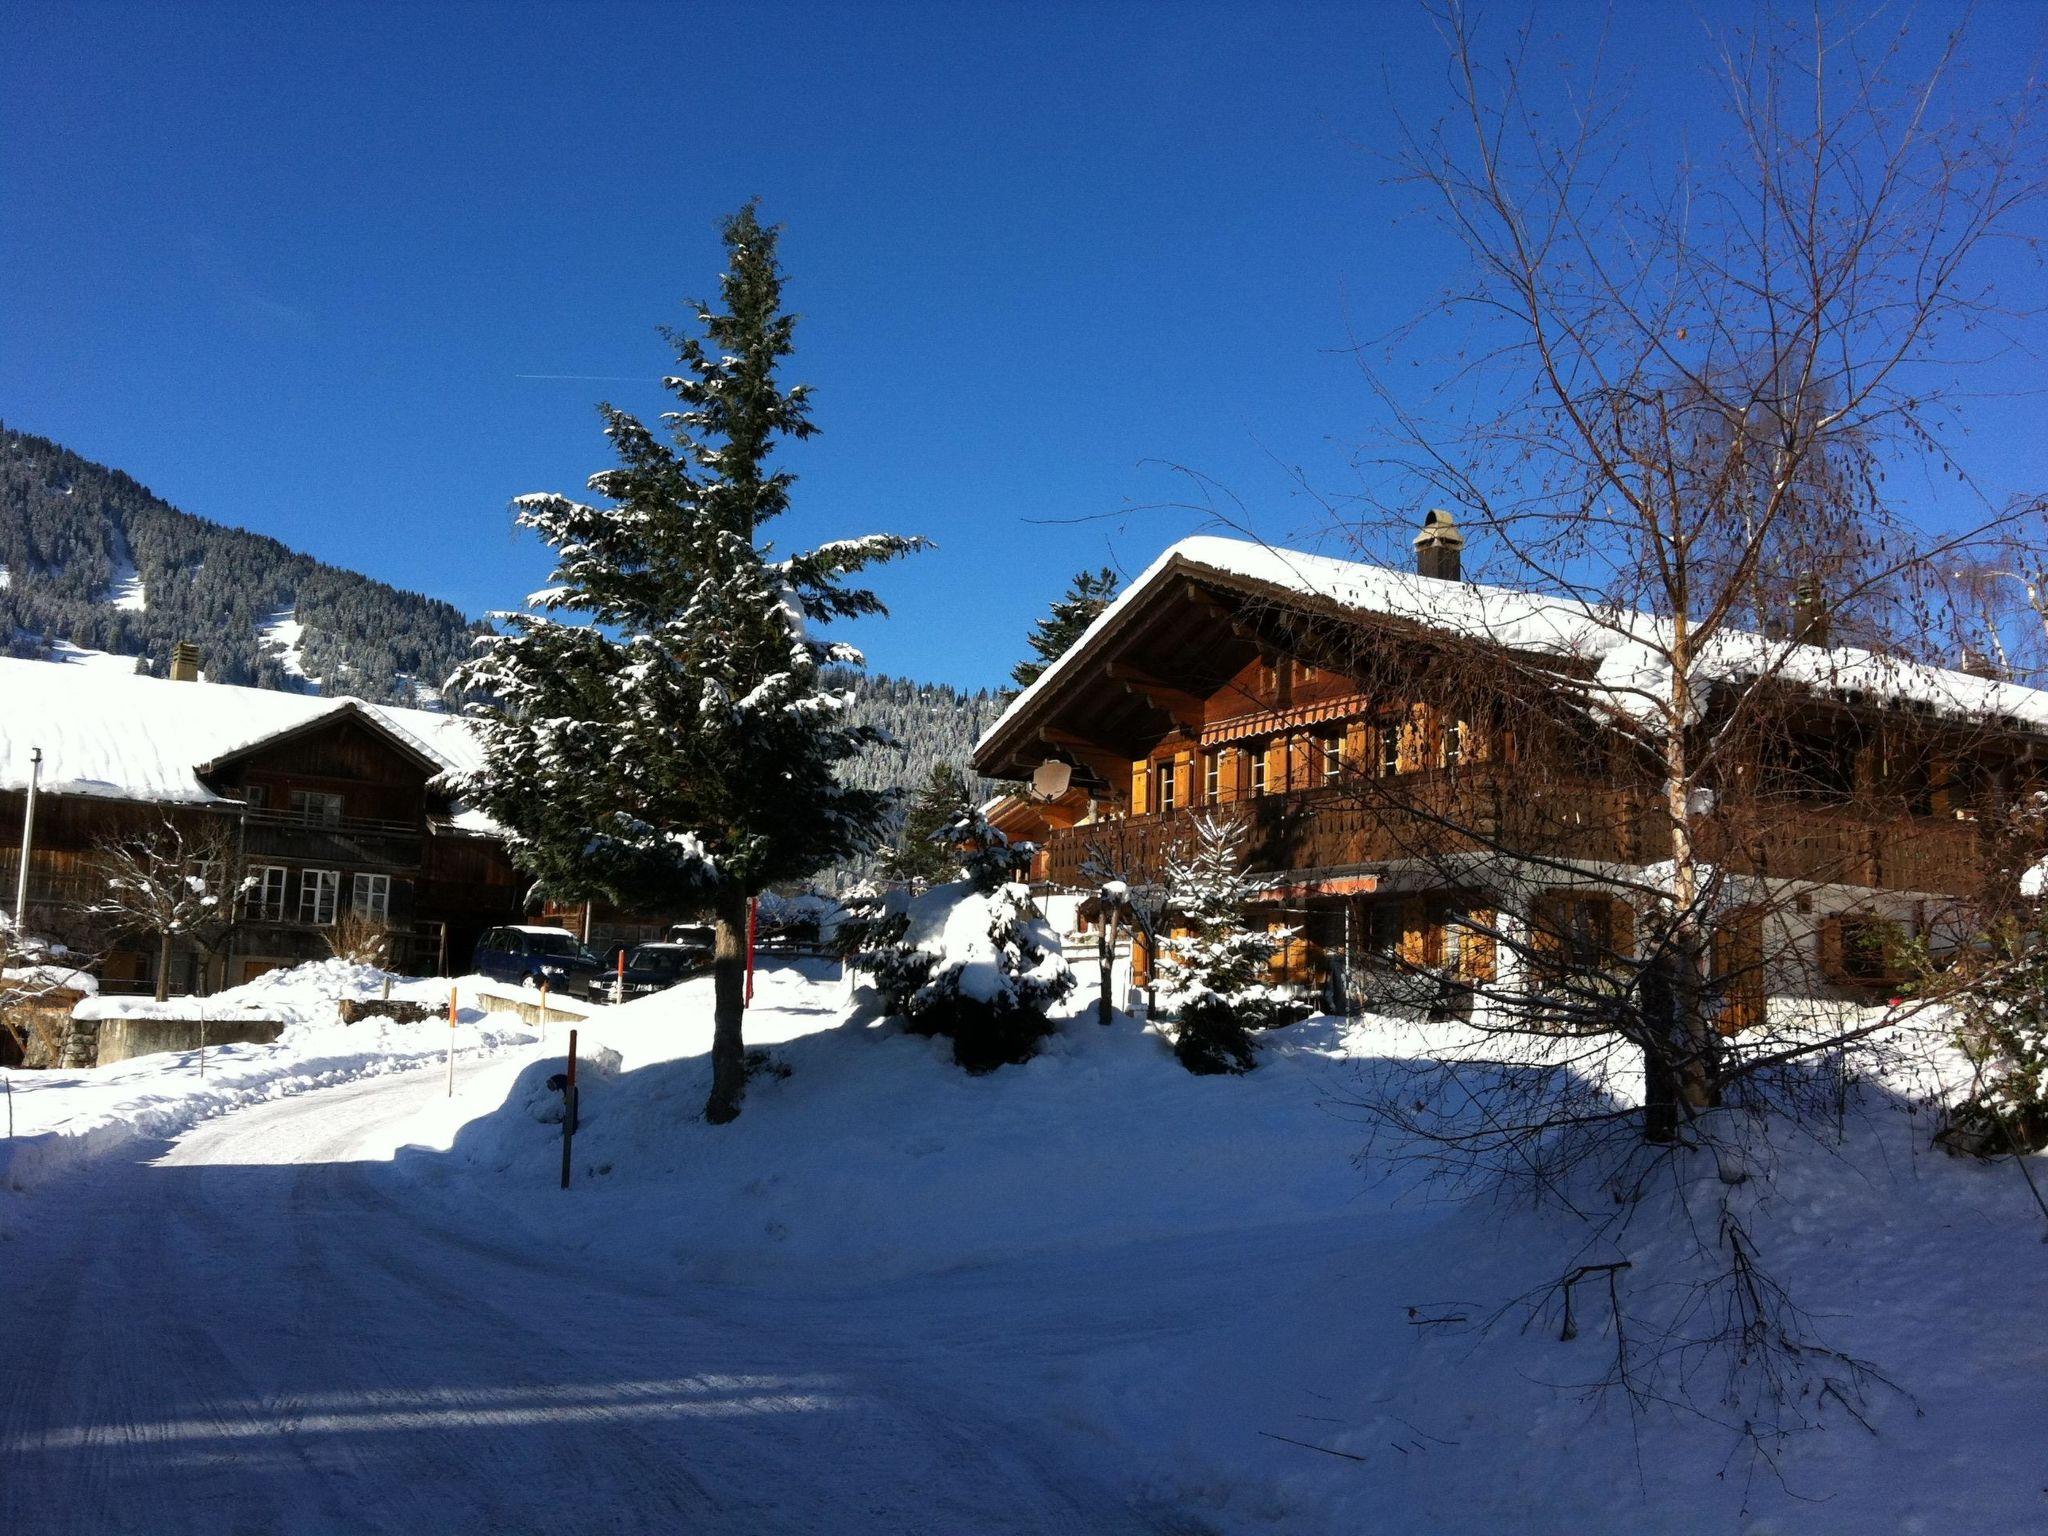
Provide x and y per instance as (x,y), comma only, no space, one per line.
(1051,779)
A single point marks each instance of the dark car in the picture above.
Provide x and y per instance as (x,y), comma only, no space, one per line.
(530,956)
(657,967)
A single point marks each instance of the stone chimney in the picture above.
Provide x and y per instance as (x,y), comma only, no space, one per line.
(1440,548)
(1809,612)
(184,662)
(1977,664)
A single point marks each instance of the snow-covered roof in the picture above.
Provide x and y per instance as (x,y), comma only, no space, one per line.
(126,737)
(1623,649)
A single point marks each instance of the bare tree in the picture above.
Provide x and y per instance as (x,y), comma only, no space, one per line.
(1681,403)
(171,883)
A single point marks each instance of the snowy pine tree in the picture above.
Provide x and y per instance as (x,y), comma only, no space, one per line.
(1052,636)
(1214,984)
(923,855)
(673,742)
(972,960)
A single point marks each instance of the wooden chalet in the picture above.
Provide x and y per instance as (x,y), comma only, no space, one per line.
(1367,728)
(334,808)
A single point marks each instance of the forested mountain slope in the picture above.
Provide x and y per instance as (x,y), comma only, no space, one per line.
(90,557)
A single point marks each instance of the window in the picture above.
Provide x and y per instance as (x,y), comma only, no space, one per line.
(1166,780)
(256,796)
(1258,757)
(371,897)
(1333,757)
(1389,750)
(1212,777)
(318,889)
(263,895)
(315,805)
(1454,743)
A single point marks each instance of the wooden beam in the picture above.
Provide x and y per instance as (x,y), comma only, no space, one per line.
(1185,708)
(1106,763)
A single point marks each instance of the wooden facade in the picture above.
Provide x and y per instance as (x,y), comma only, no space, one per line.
(335,818)
(1361,786)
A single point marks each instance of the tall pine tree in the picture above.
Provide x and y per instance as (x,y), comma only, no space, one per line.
(1052,636)
(660,732)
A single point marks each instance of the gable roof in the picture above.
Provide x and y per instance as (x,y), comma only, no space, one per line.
(1622,651)
(126,737)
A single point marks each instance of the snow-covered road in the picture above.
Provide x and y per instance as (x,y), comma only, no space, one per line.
(261,1327)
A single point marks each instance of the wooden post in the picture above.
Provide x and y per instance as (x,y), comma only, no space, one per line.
(569,1111)
(451,1042)
(543,1010)
(753,928)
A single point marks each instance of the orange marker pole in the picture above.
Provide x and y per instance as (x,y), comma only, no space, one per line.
(543,1011)
(451,1042)
(619,989)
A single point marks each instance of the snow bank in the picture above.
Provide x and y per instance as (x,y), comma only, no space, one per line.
(877,1155)
(58,1119)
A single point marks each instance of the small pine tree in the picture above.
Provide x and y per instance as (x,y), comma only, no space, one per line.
(923,855)
(972,961)
(1998,989)
(1054,635)
(1214,987)
(678,744)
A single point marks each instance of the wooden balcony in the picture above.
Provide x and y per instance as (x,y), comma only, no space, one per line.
(1439,814)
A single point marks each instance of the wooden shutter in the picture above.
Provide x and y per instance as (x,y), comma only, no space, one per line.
(1301,766)
(1478,950)
(1226,772)
(1184,778)
(1738,960)
(1141,787)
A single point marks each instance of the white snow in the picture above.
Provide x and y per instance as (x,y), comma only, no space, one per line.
(61,1117)
(125,590)
(111,733)
(1091,1293)
(2034,883)
(1626,649)
(283,631)
(1173,1270)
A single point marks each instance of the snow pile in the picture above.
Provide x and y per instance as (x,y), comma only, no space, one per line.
(61,1117)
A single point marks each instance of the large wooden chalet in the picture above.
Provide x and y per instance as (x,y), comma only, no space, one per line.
(332,805)
(1358,721)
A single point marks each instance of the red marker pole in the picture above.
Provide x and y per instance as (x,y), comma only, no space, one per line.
(753,927)
(619,990)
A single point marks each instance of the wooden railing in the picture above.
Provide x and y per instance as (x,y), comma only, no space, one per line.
(1429,816)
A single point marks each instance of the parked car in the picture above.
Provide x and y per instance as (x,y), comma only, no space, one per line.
(657,967)
(529,956)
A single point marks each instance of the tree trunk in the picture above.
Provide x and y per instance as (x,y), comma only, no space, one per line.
(163,966)
(729,990)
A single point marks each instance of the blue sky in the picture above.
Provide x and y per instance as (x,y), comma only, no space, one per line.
(316,271)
